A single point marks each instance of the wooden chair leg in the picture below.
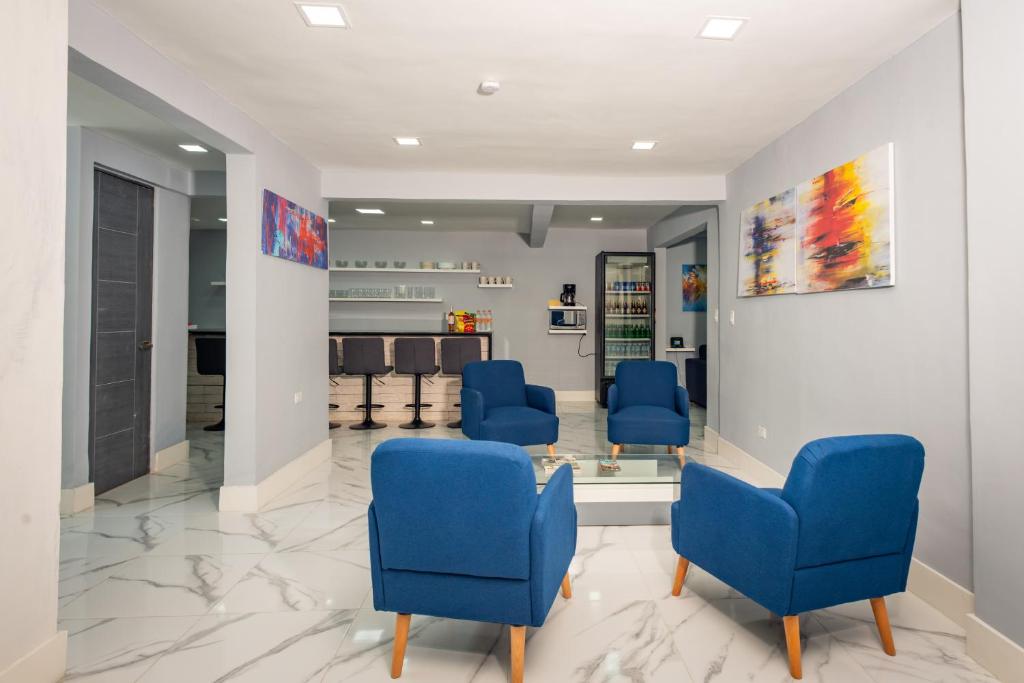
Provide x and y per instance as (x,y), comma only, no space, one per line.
(884,628)
(677,583)
(401,638)
(681,452)
(551,449)
(669,449)
(616,449)
(566,587)
(792,626)
(518,637)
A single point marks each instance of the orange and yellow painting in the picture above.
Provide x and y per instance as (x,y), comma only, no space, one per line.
(845,224)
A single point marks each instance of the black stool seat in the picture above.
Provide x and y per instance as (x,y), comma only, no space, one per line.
(455,353)
(416,356)
(365,356)
(211,360)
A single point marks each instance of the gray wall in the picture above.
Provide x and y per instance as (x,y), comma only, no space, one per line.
(520,327)
(886,360)
(86,149)
(207,252)
(692,326)
(994,98)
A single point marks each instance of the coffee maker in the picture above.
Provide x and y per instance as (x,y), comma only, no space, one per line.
(568,297)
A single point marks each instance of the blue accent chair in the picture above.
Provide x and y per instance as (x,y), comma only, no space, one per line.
(498,405)
(645,406)
(458,530)
(842,529)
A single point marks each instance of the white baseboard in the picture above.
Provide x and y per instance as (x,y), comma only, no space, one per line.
(941,592)
(710,440)
(77,499)
(994,651)
(753,469)
(250,498)
(574,396)
(172,455)
(45,664)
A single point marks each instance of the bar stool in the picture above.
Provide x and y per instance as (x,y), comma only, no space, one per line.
(455,353)
(416,356)
(365,356)
(210,360)
(333,370)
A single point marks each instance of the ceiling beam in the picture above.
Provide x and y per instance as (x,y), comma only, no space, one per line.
(540,221)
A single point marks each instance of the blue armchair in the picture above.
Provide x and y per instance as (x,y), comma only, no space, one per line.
(842,529)
(498,405)
(458,530)
(645,406)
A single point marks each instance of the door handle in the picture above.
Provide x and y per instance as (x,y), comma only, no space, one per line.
(145,346)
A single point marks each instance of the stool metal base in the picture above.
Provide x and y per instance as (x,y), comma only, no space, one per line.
(367,425)
(333,425)
(416,423)
(455,425)
(219,427)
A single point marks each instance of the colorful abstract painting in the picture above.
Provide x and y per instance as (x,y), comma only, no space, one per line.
(768,247)
(695,287)
(292,232)
(845,225)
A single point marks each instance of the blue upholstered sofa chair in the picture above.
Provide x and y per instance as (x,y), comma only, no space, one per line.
(842,529)
(498,405)
(458,530)
(645,406)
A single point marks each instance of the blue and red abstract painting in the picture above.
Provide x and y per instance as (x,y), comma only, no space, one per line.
(292,232)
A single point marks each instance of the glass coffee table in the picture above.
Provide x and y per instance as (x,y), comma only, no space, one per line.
(641,491)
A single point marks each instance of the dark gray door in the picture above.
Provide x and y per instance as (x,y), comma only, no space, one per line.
(122,291)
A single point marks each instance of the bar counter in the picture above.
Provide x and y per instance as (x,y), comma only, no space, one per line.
(441,391)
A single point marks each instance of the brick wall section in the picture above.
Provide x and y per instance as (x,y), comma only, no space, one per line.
(204,392)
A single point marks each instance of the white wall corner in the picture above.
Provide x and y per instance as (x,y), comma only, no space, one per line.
(710,440)
(172,455)
(250,498)
(574,396)
(45,664)
(941,592)
(77,499)
(994,651)
(751,469)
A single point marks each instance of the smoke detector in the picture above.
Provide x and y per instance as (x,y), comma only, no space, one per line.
(488,87)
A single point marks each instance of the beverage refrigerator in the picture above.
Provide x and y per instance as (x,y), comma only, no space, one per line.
(624,315)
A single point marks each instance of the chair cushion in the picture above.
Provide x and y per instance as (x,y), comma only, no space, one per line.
(519,425)
(502,382)
(646,383)
(652,425)
(454,507)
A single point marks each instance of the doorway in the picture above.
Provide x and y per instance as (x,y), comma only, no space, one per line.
(122,320)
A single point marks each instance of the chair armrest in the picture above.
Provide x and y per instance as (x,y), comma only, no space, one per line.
(682,401)
(552,541)
(745,536)
(541,398)
(613,399)
(472,411)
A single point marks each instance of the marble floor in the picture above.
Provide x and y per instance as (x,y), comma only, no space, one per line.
(157,585)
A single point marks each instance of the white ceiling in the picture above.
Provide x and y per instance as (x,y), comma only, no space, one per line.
(93,107)
(490,216)
(580,79)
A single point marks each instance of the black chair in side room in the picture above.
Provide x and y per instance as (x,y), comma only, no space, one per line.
(365,356)
(697,376)
(333,370)
(210,360)
(455,353)
(416,356)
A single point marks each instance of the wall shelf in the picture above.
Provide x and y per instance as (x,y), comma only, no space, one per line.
(494,286)
(567,331)
(215,283)
(567,308)
(686,349)
(388,301)
(403,270)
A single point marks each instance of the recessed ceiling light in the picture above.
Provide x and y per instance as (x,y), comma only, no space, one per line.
(319,15)
(597,219)
(427,222)
(223,220)
(330,220)
(644,144)
(408,142)
(375,212)
(488,87)
(192,148)
(722,28)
